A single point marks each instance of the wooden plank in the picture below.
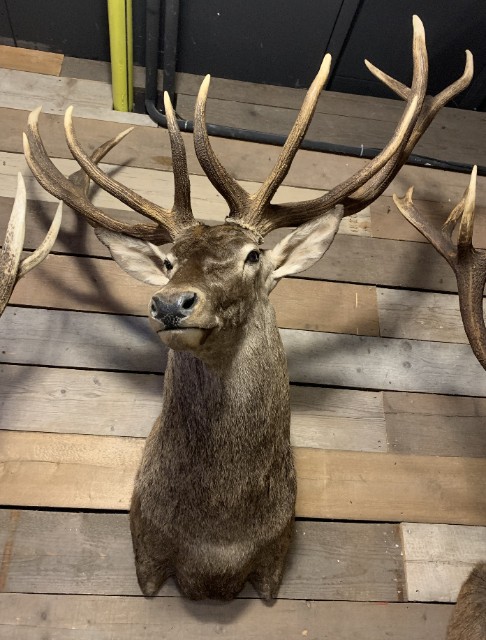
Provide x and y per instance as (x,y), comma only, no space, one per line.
(97,472)
(438,558)
(150,148)
(382,363)
(91,553)
(125,404)
(420,315)
(24,616)
(424,424)
(388,222)
(87,284)
(126,343)
(30,60)
(24,90)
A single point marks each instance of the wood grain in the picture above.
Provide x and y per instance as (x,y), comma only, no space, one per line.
(424,424)
(91,553)
(99,341)
(97,472)
(438,558)
(126,404)
(30,60)
(64,617)
(420,315)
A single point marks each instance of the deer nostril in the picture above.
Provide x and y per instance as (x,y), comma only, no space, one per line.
(153,309)
(188,300)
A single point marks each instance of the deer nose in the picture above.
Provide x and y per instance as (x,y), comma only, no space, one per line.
(171,309)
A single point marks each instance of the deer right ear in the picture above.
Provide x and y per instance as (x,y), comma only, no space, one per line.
(138,258)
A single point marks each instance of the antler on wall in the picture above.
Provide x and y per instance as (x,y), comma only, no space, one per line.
(468,263)
(12,268)
(253,211)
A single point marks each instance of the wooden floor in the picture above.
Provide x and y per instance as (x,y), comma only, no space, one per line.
(389,404)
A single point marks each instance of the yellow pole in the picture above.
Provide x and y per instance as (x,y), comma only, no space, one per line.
(121,50)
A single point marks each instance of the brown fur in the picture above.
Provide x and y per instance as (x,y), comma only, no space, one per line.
(468,621)
(214,497)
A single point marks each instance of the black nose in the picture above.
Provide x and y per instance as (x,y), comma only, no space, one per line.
(172,308)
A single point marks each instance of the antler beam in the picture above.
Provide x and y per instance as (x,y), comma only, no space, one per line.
(468,263)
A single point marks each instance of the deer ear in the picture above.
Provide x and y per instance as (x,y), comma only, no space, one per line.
(306,245)
(140,259)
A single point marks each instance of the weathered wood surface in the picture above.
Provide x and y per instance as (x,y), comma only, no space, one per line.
(97,472)
(65,617)
(91,553)
(98,341)
(23,90)
(30,60)
(420,315)
(438,558)
(84,284)
(77,553)
(423,424)
(127,404)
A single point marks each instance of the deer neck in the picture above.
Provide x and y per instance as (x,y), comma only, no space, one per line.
(241,386)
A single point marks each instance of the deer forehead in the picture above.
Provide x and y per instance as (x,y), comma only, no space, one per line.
(224,245)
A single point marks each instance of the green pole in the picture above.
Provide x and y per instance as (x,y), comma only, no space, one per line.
(121,50)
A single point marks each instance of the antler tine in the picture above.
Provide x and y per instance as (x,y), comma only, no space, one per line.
(295,137)
(182,185)
(45,246)
(468,263)
(236,197)
(464,240)
(73,190)
(12,247)
(11,267)
(170,220)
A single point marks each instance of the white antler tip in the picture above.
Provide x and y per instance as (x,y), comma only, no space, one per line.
(68,116)
(167,103)
(34,116)
(418,25)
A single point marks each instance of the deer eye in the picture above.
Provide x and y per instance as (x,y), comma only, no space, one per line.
(168,264)
(253,257)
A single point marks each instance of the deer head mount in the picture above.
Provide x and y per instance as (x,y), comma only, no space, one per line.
(214,497)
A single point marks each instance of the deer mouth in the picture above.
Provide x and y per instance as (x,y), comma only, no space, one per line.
(184,338)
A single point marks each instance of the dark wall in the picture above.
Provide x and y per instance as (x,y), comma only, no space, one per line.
(275,41)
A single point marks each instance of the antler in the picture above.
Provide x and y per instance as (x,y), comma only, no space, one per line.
(468,263)
(252,211)
(169,223)
(12,268)
(358,191)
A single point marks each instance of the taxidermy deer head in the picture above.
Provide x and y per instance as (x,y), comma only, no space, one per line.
(214,497)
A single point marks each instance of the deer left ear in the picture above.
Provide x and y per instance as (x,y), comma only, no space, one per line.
(306,245)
